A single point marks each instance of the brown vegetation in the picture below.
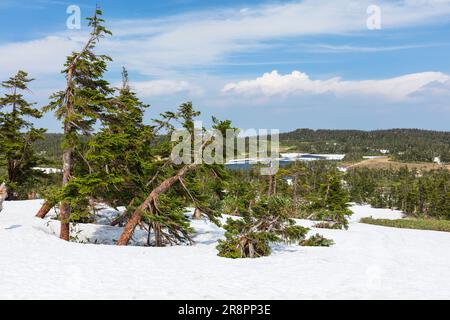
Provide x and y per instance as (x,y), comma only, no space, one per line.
(386,163)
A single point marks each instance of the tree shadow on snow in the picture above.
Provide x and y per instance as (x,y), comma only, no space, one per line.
(15,226)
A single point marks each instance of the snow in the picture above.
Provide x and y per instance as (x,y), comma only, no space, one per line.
(48,170)
(331,156)
(311,156)
(367,262)
(363,211)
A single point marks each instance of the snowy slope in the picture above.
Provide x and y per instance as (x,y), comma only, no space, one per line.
(366,262)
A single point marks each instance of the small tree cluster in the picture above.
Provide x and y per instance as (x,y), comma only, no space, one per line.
(317,240)
(17,135)
(126,162)
(416,193)
(316,190)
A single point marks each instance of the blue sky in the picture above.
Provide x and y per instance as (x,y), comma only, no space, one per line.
(262,64)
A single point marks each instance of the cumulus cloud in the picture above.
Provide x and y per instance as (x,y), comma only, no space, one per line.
(436,89)
(276,84)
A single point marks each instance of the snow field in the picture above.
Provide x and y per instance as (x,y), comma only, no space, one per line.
(367,262)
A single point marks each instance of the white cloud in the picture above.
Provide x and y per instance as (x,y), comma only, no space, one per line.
(37,57)
(157,88)
(275,84)
(206,37)
(159,46)
(326,48)
(166,47)
(437,90)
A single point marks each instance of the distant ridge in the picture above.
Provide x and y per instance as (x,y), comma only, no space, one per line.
(403,144)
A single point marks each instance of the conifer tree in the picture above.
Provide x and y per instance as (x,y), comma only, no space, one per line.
(17,135)
(79,106)
(241,192)
(317,240)
(122,153)
(331,204)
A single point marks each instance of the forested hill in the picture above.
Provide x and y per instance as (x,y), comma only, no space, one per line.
(403,144)
(50,147)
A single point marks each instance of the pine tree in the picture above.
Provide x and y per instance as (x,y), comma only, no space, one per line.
(241,192)
(121,154)
(331,203)
(79,106)
(266,222)
(17,135)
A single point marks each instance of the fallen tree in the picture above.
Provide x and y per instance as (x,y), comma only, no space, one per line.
(151,205)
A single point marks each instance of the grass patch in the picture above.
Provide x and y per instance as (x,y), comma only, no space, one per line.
(420,224)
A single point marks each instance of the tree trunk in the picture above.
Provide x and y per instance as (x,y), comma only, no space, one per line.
(294,192)
(3,195)
(67,165)
(65,208)
(158,241)
(270,190)
(44,210)
(65,222)
(67,153)
(149,234)
(12,168)
(149,203)
(197,214)
(12,173)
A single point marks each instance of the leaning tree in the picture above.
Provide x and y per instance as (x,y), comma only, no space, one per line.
(79,106)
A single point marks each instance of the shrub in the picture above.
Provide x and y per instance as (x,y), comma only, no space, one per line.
(329,225)
(317,240)
(420,224)
(265,223)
